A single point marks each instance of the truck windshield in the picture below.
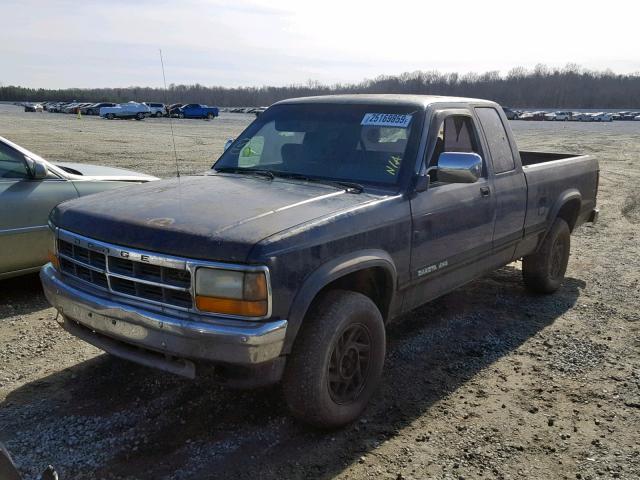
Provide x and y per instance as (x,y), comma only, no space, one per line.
(357,143)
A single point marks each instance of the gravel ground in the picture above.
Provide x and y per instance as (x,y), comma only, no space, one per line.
(489,381)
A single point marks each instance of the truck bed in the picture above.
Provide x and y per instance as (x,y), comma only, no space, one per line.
(552,179)
(531,158)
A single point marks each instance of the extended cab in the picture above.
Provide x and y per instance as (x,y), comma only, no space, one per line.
(324,220)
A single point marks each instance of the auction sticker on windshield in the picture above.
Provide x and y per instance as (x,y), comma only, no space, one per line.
(386,120)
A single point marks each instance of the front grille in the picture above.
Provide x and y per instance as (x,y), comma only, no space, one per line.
(101,267)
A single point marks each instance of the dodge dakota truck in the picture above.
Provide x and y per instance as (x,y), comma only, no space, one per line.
(326,218)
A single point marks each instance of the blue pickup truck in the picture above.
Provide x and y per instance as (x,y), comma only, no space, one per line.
(327,218)
(195,110)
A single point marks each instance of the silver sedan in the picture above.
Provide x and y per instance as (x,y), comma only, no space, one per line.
(30,187)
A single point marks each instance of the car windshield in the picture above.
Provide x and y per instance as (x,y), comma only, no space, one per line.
(367,144)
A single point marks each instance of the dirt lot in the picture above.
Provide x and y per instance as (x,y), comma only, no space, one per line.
(487,382)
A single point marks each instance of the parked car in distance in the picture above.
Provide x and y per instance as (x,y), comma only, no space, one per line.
(602,117)
(30,187)
(560,116)
(94,108)
(195,110)
(173,109)
(33,107)
(510,114)
(72,107)
(532,116)
(323,222)
(155,109)
(55,107)
(125,110)
(637,117)
(579,116)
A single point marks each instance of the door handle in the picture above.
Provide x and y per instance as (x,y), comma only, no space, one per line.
(485,191)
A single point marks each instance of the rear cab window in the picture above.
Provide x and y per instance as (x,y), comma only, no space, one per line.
(497,139)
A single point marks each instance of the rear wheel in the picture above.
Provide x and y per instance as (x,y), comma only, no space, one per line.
(181,115)
(543,271)
(110,116)
(337,361)
(210,116)
(158,114)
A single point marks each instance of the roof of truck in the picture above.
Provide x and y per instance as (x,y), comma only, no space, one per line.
(385,99)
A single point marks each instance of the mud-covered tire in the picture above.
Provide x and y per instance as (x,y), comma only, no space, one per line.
(543,271)
(321,385)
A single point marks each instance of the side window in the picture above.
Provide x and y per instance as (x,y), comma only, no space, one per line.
(12,164)
(457,134)
(497,139)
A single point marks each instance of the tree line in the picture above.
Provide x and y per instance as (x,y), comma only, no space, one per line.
(542,87)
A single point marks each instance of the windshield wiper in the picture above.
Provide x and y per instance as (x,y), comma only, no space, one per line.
(251,171)
(351,187)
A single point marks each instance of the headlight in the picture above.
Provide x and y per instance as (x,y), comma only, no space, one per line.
(232,292)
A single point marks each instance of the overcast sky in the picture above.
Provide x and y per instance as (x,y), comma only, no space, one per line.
(94,43)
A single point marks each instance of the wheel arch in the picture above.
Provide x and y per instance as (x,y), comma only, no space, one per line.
(568,208)
(370,272)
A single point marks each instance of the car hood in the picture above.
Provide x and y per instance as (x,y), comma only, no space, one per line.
(96,172)
(210,217)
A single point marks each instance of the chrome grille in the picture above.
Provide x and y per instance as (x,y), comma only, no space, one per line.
(134,274)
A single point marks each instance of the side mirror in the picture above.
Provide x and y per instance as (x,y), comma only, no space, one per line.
(228,143)
(38,169)
(459,167)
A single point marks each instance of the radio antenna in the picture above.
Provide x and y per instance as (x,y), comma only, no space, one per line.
(166,102)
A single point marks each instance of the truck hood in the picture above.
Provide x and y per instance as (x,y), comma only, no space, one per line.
(211,217)
(97,172)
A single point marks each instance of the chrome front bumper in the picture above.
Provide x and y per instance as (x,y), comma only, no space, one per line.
(159,339)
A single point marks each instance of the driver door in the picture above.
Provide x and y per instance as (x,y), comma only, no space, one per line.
(452,222)
(25,204)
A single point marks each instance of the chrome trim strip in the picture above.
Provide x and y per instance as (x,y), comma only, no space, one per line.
(149,282)
(19,230)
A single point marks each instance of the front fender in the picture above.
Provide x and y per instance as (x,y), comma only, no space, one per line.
(329,272)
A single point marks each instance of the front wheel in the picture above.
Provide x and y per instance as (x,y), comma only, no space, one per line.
(336,363)
(110,116)
(543,271)
(158,114)
(181,115)
(139,116)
